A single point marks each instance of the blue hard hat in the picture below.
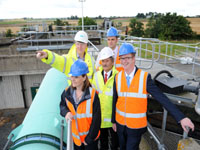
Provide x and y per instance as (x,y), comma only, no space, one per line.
(78,68)
(112,32)
(126,48)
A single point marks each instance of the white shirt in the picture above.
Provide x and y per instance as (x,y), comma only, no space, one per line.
(131,75)
(108,73)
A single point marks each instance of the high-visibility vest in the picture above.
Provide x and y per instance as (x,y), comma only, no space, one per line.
(82,118)
(118,65)
(131,106)
(63,63)
(105,93)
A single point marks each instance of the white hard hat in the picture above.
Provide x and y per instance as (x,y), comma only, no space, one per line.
(105,53)
(81,36)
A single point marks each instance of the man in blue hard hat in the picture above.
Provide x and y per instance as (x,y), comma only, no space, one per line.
(112,41)
(130,90)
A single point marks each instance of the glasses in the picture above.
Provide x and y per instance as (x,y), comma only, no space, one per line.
(125,58)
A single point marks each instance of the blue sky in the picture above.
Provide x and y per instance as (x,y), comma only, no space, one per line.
(92,8)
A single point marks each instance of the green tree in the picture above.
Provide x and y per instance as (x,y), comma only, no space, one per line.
(136,28)
(87,21)
(9,33)
(169,27)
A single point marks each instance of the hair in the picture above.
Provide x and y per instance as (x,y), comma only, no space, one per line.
(86,83)
(112,58)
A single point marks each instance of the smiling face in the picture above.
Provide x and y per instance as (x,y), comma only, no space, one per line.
(107,64)
(112,42)
(78,81)
(128,62)
(80,47)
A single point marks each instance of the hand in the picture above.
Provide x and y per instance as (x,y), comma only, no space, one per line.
(69,116)
(84,143)
(41,54)
(186,122)
(114,127)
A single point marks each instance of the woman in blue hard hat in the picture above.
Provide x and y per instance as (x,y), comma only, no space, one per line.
(80,104)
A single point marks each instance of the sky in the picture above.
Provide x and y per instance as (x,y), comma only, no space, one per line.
(10,9)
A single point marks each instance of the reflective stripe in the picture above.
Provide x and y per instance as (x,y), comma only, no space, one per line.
(52,59)
(79,116)
(92,62)
(130,94)
(88,108)
(107,119)
(76,136)
(83,133)
(65,62)
(119,82)
(89,77)
(109,93)
(96,79)
(131,115)
(141,82)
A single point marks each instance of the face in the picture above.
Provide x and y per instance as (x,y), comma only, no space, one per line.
(128,62)
(78,81)
(80,47)
(112,42)
(107,64)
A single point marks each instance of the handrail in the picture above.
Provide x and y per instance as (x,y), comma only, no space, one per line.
(70,145)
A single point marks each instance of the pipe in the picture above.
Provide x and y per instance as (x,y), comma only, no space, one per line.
(41,127)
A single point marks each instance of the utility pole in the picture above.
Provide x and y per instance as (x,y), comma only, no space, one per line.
(82,13)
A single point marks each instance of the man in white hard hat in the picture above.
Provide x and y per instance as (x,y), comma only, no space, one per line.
(64,62)
(103,82)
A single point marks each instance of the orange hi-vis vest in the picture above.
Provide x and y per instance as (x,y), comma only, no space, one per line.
(131,106)
(82,119)
(117,64)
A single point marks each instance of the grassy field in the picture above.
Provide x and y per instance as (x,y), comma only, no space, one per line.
(15,24)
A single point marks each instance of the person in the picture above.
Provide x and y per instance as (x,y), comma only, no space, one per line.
(130,90)
(112,40)
(77,51)
(80,104)
(103,82)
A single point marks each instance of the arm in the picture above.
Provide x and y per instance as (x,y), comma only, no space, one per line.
(63,107)
(167,104)
(96,121)
(56,61)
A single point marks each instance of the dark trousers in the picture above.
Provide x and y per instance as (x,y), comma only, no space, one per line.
(92,146)
(129,139)
(108,137)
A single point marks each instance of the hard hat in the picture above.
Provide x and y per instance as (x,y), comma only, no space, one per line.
(126,48)
(81,36)
(105,53)
(78,68)
(112,32)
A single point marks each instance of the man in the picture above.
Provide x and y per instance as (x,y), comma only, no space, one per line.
(103,83)
(112,40)
(130,90)
(77,51)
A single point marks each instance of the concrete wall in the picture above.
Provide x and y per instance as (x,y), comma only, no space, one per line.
(15,91)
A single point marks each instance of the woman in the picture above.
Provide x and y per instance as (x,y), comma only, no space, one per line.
(80,104)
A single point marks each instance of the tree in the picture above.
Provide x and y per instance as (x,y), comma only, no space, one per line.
(169,27)
(87,21)
(9,33)
(136,28)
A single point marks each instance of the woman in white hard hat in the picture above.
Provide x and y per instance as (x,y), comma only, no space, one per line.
(64,62)
(80,104)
